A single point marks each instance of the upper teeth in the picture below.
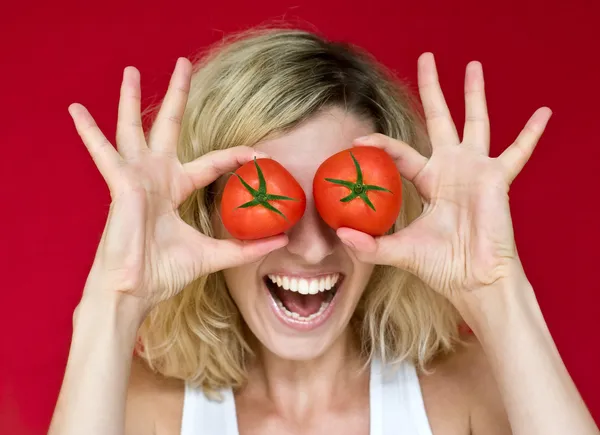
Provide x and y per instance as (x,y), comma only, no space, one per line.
(306,286)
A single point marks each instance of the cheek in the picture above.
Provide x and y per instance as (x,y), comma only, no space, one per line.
(362,275)
(232,280)
(241,284)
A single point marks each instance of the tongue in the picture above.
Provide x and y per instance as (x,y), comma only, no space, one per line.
(304,305)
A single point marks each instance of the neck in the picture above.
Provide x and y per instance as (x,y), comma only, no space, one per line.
(297,388)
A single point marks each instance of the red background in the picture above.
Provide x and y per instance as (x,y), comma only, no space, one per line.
(54,201)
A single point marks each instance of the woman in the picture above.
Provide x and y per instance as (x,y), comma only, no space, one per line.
(384,356)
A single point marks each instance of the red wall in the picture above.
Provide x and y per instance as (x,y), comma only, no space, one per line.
(54,201)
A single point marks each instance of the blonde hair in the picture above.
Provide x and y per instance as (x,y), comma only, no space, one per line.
(258,84)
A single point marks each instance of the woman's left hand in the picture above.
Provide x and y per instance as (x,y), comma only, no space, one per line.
(464,238)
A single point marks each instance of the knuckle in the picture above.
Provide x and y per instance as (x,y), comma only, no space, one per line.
(104,144)
(89,125)
(124,129)
(128,190)
(217,167)
(175,119)
(430,85)
(130,94)
(181,89)
(473,92)
(532,129)
(475,118)
(434,113)
(239,155)
(246,252)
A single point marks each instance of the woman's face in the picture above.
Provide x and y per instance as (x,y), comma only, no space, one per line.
(271,293)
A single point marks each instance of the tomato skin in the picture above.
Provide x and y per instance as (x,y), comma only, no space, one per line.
(379,169)
(257,222)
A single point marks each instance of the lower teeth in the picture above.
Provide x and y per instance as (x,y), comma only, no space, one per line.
(297,316)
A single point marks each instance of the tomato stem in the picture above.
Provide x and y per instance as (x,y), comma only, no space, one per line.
(357,188)
(260,196)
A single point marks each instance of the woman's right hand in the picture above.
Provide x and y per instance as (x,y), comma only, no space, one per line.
(147,251)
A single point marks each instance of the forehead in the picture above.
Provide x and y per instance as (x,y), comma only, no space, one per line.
(304,148)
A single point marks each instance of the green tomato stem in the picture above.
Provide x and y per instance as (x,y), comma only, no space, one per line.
(357,188)
(260,197)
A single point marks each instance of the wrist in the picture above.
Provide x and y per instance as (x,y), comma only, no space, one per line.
(113,312)
(489,309)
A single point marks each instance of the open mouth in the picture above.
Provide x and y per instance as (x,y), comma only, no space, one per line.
(307,301)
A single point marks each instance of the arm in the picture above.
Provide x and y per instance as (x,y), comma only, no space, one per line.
(463,247)
(536,389)
(93,395)
(147,253)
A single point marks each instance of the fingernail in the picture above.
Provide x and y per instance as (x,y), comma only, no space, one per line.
(364,139)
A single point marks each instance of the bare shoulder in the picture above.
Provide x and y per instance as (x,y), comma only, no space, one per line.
(154,402)
(461,395)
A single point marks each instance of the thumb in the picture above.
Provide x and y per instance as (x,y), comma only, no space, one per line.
(396,249)
(227,253)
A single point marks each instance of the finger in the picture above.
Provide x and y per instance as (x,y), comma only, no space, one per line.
(476,134)
(516,155)
(106,158)
(207,168)
(408,160)
(397,249)
(164,134)
(229,253)
(440,127)
(130,135)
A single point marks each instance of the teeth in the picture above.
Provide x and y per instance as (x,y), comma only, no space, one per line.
(303,286)
(306,286)
(297,316)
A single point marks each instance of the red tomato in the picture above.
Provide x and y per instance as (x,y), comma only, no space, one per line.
(262,199)
(359,188)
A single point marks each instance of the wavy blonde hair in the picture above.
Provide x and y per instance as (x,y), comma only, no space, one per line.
(255,85)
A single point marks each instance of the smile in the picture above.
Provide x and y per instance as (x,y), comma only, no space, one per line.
(303,303)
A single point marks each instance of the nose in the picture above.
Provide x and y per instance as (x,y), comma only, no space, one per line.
(311,238)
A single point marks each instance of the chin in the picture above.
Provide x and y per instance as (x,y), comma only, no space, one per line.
(298,349)
(298,315)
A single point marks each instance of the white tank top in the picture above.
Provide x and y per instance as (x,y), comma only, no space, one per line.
(396,406)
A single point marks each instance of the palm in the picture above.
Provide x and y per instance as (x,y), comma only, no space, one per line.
(175,260)
(464,238)
(174,251)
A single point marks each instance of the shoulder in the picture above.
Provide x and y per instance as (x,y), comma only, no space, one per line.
(154,402)
(461,388)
